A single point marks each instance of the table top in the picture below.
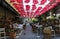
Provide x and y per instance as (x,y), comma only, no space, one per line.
(38,25)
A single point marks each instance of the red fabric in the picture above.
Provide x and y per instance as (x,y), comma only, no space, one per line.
(27,7)
(27,1)
(33,7)
(35,1)
(43,1)
(12,0)
(20,1)
(20,7)
(58,0)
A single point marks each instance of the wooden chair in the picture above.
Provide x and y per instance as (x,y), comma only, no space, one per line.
(2,31)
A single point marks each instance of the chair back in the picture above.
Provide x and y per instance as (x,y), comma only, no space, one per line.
(2,29)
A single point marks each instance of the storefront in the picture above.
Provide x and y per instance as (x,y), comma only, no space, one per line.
(8,16)
(47,24)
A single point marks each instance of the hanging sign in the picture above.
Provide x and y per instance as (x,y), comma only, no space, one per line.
(32,8)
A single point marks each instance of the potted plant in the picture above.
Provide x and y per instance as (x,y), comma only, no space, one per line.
(12,33)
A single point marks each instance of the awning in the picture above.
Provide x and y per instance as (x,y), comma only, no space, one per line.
(32,8)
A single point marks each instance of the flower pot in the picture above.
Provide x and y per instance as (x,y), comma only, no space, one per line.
(12,34)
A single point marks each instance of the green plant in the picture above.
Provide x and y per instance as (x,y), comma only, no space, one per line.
(10,30)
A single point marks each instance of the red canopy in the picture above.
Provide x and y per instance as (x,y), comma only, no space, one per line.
(33,8)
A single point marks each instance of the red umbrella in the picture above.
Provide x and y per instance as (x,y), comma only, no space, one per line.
(33,8)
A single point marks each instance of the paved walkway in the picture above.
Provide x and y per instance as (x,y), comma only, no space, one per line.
(28,34)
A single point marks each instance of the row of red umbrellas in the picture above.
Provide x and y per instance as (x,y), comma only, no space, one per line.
(33,8)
